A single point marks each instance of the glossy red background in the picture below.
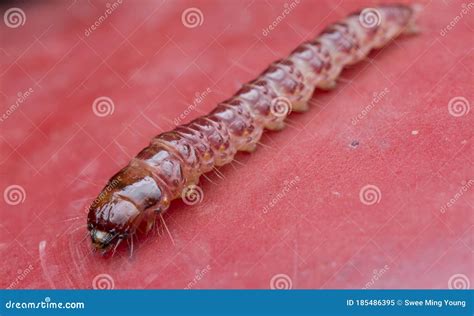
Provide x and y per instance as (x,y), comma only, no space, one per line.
(319,233)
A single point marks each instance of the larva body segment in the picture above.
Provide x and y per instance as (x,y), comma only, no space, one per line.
(241,123)
(176,159)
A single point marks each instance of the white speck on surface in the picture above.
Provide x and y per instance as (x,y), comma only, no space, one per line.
(41,247)
(415,132)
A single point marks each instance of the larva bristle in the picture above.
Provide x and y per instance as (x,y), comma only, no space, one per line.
(175,160)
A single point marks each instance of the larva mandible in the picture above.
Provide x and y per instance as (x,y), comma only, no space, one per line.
(176,159)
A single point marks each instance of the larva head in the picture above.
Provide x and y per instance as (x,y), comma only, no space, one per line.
(121,207)
(111,221)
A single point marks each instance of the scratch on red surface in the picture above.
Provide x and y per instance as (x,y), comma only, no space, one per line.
(44,265)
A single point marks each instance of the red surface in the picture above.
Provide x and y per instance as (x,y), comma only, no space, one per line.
(319,233)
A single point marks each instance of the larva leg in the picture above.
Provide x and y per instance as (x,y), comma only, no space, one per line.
(327,85)
(300,106)
(250,148)
(150,225)
(275,126)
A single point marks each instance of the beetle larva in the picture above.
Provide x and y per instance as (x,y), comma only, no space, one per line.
(176,159)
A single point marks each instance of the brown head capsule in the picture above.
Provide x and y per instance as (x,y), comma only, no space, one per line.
(121,208)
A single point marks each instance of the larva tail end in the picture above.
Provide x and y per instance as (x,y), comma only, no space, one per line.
(412,28)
